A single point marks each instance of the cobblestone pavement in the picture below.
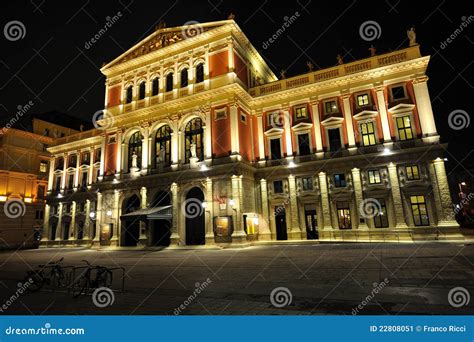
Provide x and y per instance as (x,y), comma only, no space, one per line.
(320,278)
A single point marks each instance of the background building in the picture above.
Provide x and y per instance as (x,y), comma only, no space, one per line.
(200,143)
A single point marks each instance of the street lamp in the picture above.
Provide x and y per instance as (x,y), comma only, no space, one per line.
(461,192)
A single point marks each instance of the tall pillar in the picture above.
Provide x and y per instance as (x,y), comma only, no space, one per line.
(446,215)
(230,51)
(359,198)
(208,135)
(425,111)
(102,156)
(238,235)
(288,132)
(59,228)
(142,238)
(317,126)
(209,213)
(400,221)
(264,227)
(87,223)
(348,121)
(76,172)
(144,166)
(234,129)
(387,138)
(114,241)
(73,220)
(323,187)
(91,167)
(120,153)
(261,141)
(175,214)
(98,219)
(174,149)
(46,228)
(65,175)
(294,232)
(51,174)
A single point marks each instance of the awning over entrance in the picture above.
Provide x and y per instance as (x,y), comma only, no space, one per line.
(156,213)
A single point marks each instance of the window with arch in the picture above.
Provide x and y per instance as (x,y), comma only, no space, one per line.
(163,146)
(141,91)
(155,86)
(129,94)
(193,133)
(135,147)
(184,78)
(200,73)
(169,82)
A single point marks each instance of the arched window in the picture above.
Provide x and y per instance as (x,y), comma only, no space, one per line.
(155,86)
(169,82)
(135,147)
(129,94)
(194,134)
(163,141)
(200,73)
(184,78)
(141,91)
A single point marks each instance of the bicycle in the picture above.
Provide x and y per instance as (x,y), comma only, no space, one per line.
(51,274)
(86,281)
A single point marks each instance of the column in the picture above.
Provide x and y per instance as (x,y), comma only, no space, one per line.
(209,213)
(106,97)
(91,167)
(238,235)
(425,111)
(174,148)
(261,141)
(288,133)
(114,241)
(317,126)
(65,175)
(323,187)
(144,166)
(102,157)
(51,174)
(87,223)
(359,198)
(46,228)
(76,173)
(264,227)
(234,129)
(206,68)
(120,153)
(142,238)
(294,231)
(348,121)
(446,215)
(98,219)
(73,220)
(175,213)
(387,138)
(59,228)
(396,197)
(208,135)
(230,52)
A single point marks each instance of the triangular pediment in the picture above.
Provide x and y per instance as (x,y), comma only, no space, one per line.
(402,107)
(332,121)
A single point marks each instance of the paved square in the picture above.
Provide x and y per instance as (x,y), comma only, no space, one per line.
(319,278)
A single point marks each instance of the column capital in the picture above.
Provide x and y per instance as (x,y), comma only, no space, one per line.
(379,87)
(420,79)
(314,101)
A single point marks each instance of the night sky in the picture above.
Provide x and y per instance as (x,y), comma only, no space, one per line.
(51,66)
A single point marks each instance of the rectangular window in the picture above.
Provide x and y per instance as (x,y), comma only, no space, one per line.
(275,148)
(155,86)
(40,192)
(70,181)
(381,217)
(72,161)
(84,179)
(330,107)
(412,172)
(301,113)
(97,155)
(278,187)
(344,215)
(220,114)
(334,139)
(363,100)
(404,128)
(303,144)
(86,158)
(368,133)
(420,213)
(340,180)
(307,183)
(43,166)
(374,177)
(398,93)
(243,118)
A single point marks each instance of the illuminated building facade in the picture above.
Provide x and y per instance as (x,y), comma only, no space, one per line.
(201,144)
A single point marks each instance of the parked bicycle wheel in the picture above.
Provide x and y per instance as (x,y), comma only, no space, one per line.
(80,286)
(36,280)
(103,277)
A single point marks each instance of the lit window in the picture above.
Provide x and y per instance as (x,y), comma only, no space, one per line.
(301,113)
(404,128)
(363,100)
(330,107)
(340,180)
(43,166)
(374,176)
(381,217)
(368,133)
(412,172)
(344,215)
(420,213)
(278,187)
(307,183)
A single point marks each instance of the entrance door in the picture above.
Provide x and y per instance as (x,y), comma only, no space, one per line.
(311,224)
(131,226)
(160,232)
(194,213)
(66,230)
(280,223)
(334,139)
(275,148)
(303,143)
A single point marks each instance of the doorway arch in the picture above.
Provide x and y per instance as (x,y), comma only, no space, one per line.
(194,215)
(160,229)
(130,226)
